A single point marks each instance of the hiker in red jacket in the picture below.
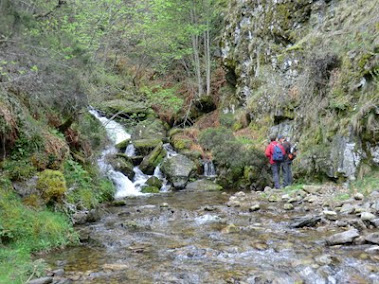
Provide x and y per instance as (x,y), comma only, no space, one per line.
(275,152)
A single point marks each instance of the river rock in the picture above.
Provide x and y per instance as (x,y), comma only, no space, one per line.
(42,280)
(203,185)
(288,206)
(373,238)
(178,169)
(343,238)
(306,221)
(330,215)
(358,196)
(366,216)
(347,208)
(254,207)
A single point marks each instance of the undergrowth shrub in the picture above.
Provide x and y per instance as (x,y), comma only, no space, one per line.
(52,185)
(236,161)
(86,187)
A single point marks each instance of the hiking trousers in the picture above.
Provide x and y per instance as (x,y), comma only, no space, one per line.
(287,173)
(275,174)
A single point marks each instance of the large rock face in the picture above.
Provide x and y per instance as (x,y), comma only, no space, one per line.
(306,69)
(178,169)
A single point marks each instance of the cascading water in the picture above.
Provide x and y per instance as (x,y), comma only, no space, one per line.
(130,150)
(116,133)
(209,168)
(125,187)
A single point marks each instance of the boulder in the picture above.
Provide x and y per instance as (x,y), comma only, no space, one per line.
(150,189)
(149,129)
(154,181)
(151,161)
(343,238)
(122,165)
(178,169)
(145,146)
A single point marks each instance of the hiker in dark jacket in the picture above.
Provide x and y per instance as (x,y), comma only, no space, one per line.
(287,163)
(275,165)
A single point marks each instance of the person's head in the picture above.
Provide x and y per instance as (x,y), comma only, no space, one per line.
(272,137)
(281,138)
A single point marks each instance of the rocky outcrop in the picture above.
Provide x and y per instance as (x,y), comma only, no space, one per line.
(297,74)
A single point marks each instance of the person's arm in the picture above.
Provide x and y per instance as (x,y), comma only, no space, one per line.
(268,151)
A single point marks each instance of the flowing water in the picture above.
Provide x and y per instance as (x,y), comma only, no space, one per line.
(194,237)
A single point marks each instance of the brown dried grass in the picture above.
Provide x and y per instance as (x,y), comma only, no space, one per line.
(208,120)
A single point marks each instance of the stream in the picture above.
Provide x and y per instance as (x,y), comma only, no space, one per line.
(193,236)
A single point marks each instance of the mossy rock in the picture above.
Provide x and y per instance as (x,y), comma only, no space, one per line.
(149,129)
(122,165)
(150,189)
(145,146)
(122,145)
(123,108)
(151,161)
(155,182)
(52,185)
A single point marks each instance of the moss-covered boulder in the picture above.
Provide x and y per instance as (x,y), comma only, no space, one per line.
(145,146)
(154,181)
(52,185)
(149,129)
(178,170)
(150,189)
(124,108)
(122,145)
(151,161)
(122,165)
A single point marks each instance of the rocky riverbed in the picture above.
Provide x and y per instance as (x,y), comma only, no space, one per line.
(306,235)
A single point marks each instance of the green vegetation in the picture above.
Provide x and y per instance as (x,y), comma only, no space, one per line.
(24,230)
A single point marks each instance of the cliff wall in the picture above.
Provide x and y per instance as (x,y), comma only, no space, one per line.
(309,70)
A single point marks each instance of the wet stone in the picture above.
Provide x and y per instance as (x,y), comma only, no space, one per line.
(343,238)
(330,215)
(358,196)
(43,280)
(254,207)
(373,238)
(347,209)
(288,206)
(366,216)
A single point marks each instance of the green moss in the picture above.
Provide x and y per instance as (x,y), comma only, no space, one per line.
(52,185)
(180,143)
(150,189)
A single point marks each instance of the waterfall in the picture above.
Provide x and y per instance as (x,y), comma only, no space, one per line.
(130,150)
(169,150)
(209,168)
(116,133)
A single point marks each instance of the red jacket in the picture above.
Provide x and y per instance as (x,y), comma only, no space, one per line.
(270,150)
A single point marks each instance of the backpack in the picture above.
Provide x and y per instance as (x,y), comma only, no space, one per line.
(277,154)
